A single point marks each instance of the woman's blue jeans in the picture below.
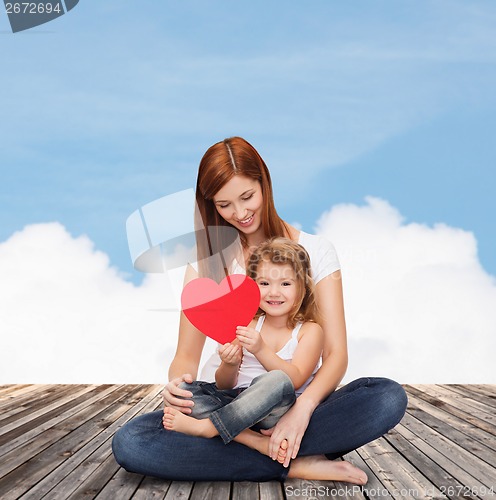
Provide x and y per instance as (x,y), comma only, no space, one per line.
(350,417)
(262,404)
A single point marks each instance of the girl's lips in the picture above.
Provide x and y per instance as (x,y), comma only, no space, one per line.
(274,302)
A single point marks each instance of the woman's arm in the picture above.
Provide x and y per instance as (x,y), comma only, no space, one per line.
(292,425)
(329,298)
(190,345)
(184,366)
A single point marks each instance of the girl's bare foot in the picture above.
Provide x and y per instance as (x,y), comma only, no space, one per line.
(254,440)
(283,448)
(174,420)
(319,468)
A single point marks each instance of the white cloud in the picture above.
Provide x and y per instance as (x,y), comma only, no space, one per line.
(420,307)
(68,317)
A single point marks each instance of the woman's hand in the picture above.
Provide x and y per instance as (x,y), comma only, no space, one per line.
(250,339)
(231,354)
(291,426)
(172,391)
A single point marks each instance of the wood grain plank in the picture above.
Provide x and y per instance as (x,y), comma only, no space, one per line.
(244,490)
(179,490)
(26,426)
(14,391)
(486,389)
(454,472)
(99,393)
(400,477)
(447,439)
(424,463)
(422,411)
(465,391)
(122,486)
(21,454)
(469,406)
(453,410)
(271,490)
(75,470)
(29,414)
(30,472)
(152,488)
(38,396)
(374,489)
(479,469)
(473,446)
(215,490)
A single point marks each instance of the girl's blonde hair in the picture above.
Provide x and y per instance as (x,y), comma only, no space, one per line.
(281,251)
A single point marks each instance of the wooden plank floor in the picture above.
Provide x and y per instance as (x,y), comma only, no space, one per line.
(55,443)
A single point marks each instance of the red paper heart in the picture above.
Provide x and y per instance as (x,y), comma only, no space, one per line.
(217,309)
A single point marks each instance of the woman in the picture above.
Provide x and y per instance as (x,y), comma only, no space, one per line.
(234,189)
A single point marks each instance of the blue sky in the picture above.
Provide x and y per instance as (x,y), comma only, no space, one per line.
(112,106)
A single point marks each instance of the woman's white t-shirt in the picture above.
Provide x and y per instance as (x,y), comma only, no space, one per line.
(323,260)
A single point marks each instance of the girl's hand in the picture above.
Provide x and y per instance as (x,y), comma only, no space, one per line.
(172,391)
(291,426)
(250,339)
(231,354)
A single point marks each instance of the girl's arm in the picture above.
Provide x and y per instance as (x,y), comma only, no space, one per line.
(226,376)
(304,359)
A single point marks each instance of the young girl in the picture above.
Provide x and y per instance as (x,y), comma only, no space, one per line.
(275,354)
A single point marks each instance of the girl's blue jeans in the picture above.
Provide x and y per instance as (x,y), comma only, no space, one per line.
(350,417)
(262,404)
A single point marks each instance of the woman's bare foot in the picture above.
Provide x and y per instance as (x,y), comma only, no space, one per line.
(319,468)
(174,420)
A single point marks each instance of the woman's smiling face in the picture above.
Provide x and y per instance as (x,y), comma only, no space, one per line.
(240,202)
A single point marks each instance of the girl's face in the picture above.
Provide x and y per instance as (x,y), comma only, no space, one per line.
(278,288)
(239,202)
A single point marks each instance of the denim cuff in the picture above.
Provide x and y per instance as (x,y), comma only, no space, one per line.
(221,429)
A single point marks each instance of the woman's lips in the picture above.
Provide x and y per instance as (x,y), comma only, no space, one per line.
(246,222)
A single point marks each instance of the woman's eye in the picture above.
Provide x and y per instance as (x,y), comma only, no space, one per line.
(222,206)
(248,197)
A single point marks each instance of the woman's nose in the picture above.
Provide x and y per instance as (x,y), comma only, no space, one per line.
(240,213)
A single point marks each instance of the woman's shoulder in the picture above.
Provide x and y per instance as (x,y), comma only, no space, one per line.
(314,242)
(323,256)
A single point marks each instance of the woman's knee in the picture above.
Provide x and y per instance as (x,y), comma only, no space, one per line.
(392,399)
(131,442)
(121,446)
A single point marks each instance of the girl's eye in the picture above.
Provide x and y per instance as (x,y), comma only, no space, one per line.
(262,283)
(286,283)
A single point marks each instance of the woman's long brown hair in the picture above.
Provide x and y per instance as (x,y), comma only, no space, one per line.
(220,163)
